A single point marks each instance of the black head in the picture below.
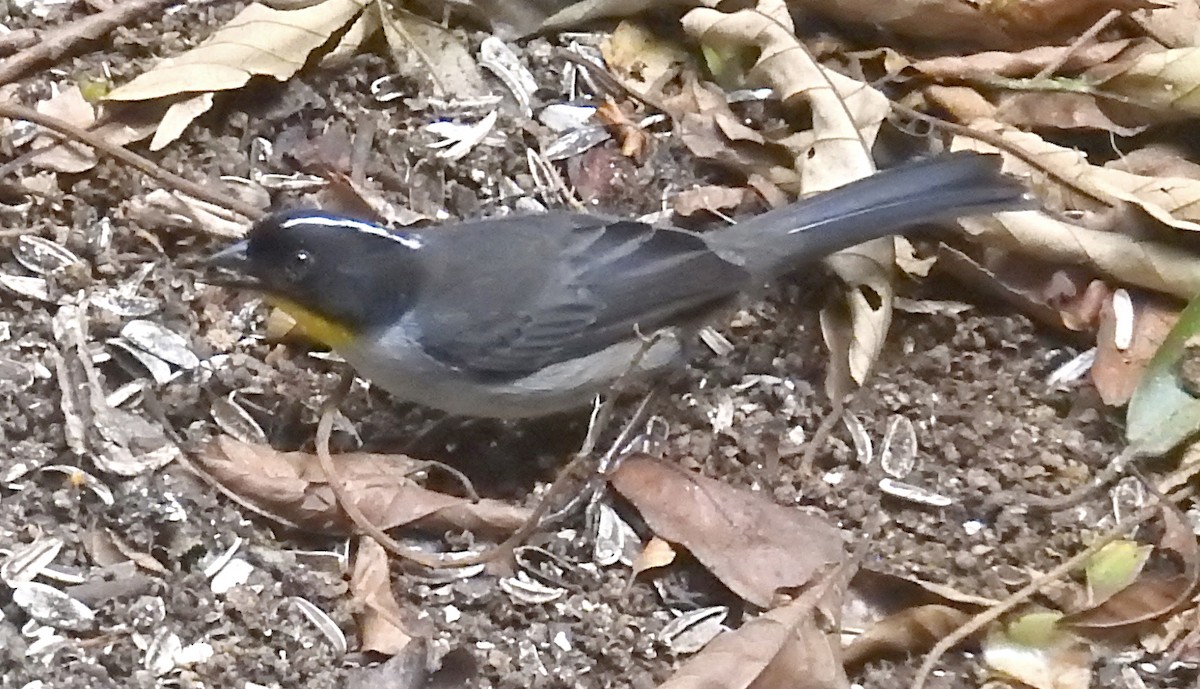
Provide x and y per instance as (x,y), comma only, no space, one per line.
(350,272)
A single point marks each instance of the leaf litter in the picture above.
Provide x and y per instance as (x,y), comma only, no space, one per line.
(970,432)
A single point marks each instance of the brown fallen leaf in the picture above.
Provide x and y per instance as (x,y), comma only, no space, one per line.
(1001,25)
(786,648)
(1050,110)
(380,625)
(754,546)
(1062,298)
(1116,372)
(910,631)
(901,615)
(258,41)
(419,46)
(1162,81)
(1064,179)
(633,141)
(292,485)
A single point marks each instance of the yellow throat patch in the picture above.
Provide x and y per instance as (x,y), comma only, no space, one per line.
(314,326)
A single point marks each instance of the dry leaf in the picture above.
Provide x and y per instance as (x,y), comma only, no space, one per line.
(419,46)
(1175,24)
(292,485)
(782,649)
(634,142)
(846,116)
(1066,110)
(1064,298)
(657,553)
(1164,80)
(1036,651)
(1116,372)
(754,546)
(178,116)
(259,41)
(711,198)
(640,58)
(1173,201)
(963,103)
(988,65)
(1146,264)
(70,156)
(380,623)
(995,23)
(901,615)
(910,631)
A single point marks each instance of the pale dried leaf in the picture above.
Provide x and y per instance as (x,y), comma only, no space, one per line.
(846,116)
(1069,110)
(178,117)
(657,553)
(1173,201)
(987,65)
(1054,659)
(640,57)
(1175,24)
(1147,264)
(259,41)
(709,198)
(963,103)
(1163,80)
(70,156)
(438,53)
(351,42)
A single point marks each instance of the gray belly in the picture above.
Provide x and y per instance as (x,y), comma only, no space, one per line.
(394,363)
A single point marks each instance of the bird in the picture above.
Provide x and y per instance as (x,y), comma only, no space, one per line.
(524,316)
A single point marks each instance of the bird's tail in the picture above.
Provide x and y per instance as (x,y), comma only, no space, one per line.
(937,188)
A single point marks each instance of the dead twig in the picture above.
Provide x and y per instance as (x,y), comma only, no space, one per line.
(52,44)
(124,155)
(325,428)
(978,622)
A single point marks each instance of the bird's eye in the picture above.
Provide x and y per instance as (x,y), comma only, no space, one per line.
(299,264)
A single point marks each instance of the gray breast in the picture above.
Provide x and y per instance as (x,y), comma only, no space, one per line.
(395,362)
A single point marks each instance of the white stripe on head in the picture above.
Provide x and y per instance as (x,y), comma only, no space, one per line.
(407,239)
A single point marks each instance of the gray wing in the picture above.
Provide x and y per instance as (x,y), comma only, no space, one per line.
(568,285)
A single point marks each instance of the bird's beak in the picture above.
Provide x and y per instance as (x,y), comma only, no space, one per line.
(231,266)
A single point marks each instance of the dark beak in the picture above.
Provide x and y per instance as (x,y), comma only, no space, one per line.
(230,267)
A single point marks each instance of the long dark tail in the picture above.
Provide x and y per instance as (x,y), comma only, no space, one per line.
(937,188)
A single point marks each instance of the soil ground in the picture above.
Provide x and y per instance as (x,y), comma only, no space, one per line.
(973,384)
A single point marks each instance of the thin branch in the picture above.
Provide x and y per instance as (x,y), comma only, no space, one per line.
(124,155)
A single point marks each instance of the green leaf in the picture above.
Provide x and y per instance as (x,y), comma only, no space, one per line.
(1115,567)
(1162,413)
